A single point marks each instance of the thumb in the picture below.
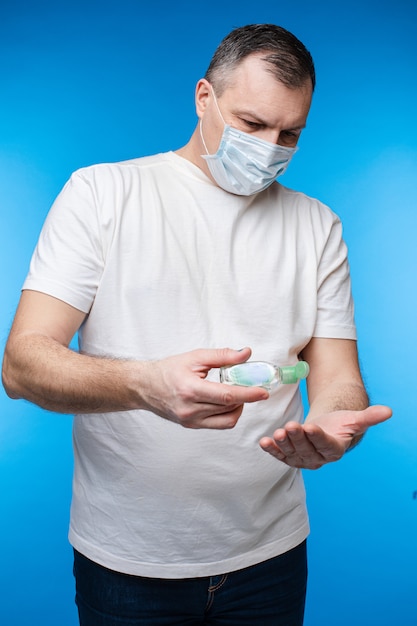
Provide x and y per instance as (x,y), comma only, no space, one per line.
(228,356)
(375,414)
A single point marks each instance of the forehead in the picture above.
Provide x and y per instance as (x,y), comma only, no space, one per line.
(253,86)
(255,71)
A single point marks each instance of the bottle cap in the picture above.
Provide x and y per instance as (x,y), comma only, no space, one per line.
(291,374)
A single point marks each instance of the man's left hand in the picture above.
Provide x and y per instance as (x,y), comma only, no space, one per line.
(322,439)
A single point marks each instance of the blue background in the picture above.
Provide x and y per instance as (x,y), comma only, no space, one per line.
(86,82)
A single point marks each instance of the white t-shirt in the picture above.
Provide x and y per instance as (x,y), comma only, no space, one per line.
(164,261)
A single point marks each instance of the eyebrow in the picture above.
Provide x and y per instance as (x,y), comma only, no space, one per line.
(259,120)
(300,127)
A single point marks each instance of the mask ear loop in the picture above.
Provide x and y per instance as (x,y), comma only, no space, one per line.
(201,135)
(217,105)
(201,121)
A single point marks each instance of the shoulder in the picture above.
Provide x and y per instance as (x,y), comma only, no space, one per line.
(305,206)
(116,181)
(120,169)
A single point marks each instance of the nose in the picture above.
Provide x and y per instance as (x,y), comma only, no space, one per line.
(270,135)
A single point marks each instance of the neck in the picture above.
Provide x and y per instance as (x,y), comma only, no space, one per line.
(193,150)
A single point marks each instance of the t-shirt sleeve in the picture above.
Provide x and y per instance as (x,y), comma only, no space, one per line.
(68,260)
(335,308)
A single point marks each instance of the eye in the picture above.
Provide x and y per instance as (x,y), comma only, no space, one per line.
(289,136)
(252,125)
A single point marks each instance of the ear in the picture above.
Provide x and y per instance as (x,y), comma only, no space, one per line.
(202,96)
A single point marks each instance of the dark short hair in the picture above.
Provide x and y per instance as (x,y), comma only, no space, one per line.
(289,60)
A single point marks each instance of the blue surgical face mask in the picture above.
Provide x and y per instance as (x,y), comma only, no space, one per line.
(243,163)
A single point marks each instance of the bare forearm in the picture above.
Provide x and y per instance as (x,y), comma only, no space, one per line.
(40,370)
(339,397)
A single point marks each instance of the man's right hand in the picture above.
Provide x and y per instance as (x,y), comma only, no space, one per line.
(176,388)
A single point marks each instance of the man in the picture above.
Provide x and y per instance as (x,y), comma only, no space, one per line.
(178,515)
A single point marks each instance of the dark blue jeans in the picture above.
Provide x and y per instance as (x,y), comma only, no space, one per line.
(269,594)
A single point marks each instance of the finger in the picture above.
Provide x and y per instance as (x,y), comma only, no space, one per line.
(222,356)
(222,421)
(204,398)
(281,443)
(299,451)
(374,415)
(225,396)
(219,421)
(269,445)
(311,460)
(298,440)
(326,446)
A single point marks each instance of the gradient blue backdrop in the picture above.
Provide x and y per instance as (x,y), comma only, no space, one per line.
(85,82)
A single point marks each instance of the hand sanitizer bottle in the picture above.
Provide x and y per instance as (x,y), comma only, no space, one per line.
(263,374)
